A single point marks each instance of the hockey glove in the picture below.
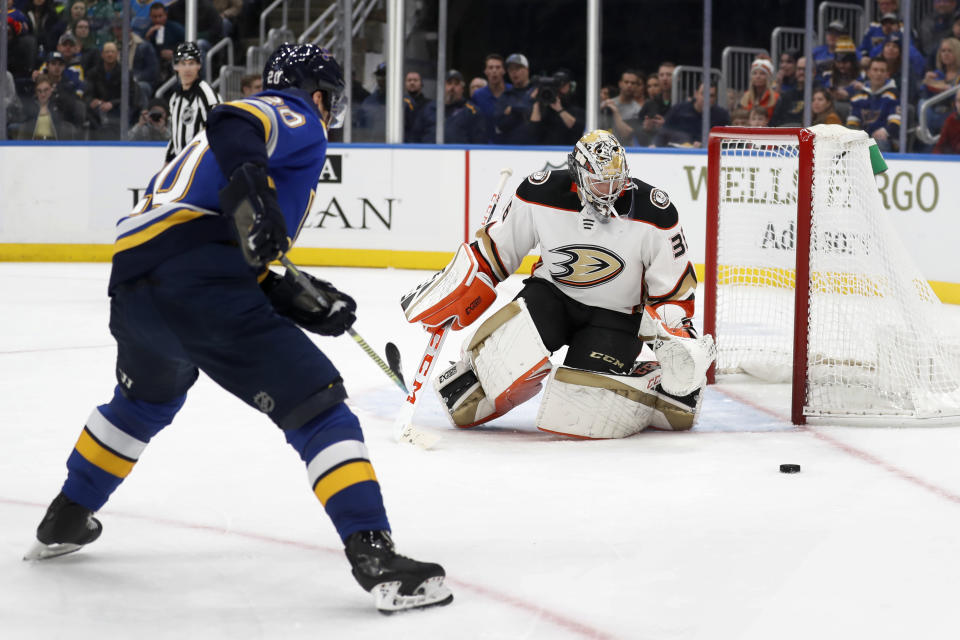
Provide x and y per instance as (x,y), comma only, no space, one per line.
(251,203)
(330,315)
(684,358)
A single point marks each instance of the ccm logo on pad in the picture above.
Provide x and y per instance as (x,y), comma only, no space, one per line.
(473,305)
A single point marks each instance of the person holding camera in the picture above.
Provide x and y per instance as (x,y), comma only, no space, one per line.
(152,126)
(553,119)
(515,104)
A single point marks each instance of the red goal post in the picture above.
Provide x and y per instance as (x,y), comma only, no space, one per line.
(806,280)
(804,140)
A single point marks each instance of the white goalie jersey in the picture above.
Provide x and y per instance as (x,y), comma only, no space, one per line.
(638,258)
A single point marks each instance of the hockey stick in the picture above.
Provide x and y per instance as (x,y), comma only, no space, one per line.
(505,174)
(393,359)
(403,428)
(304,282)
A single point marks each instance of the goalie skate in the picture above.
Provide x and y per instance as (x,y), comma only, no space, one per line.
(396,582)
(65,528)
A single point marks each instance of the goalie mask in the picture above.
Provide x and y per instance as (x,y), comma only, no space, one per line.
(598,165)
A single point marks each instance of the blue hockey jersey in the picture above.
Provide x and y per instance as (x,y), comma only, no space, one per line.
(870,110)
(180,208)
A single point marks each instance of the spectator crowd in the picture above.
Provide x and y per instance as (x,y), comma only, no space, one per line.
(65,78)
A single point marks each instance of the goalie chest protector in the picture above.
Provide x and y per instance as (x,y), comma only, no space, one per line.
(617,264)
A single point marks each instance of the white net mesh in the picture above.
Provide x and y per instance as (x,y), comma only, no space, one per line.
(877,342)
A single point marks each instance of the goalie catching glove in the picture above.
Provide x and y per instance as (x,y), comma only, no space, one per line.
(330,315)
(684,358)
(251,204)
(461,293)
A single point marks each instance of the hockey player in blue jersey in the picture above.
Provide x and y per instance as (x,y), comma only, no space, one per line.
(190,290)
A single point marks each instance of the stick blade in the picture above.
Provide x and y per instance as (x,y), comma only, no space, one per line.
(393,361)
(393,356)
(410,434)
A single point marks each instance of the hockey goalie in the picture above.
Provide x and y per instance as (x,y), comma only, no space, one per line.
(614,274)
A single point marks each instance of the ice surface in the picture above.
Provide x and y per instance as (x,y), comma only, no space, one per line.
(662,535)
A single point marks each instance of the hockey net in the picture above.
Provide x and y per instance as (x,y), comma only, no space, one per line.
(808,283)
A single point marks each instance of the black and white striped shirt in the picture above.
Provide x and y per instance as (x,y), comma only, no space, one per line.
(188,114)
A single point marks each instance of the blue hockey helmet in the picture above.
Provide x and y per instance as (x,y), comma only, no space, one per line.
(309,68)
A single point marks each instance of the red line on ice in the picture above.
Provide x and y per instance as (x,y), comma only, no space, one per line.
(849,449)
(557,619)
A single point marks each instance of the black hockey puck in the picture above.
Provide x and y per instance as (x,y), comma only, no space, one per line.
(789,468)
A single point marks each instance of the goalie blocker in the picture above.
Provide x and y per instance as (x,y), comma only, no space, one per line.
(460,293)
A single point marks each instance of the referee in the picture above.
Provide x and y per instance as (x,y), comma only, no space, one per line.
(191,101)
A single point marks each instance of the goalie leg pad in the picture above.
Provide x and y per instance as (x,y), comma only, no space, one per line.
(508,354)
(461,292)
(592,405)
(468,406)
(503,366)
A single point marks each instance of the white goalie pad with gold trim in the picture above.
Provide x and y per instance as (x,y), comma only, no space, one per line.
(502,366)
(587,404)
(507,348)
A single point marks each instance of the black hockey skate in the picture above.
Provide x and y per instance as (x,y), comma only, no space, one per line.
(66,527)
(397,583)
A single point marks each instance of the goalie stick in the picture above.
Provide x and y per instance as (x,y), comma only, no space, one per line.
(403,428)
(308,286)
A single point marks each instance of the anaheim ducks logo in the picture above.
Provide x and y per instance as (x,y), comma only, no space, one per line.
(586,266)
